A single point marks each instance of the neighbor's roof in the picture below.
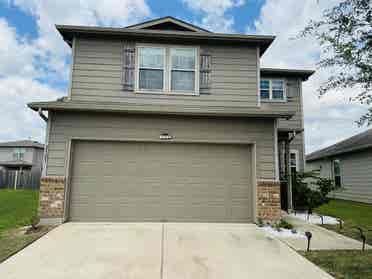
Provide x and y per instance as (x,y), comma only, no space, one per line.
(15,163)
(304,74)
(22,143)
(141,31)
(355,143)
(132,107)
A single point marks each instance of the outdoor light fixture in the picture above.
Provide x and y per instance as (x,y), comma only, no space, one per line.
(165,136)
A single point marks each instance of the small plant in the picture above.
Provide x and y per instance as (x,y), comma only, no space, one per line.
(282,224)
(260,222)
(35,222)
(294,231)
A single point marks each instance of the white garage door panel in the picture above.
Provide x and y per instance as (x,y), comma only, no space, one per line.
(131,181)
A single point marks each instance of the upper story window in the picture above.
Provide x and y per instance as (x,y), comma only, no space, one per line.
(19,154)
(167,70)
(272,89)
(151,68)
(183,67)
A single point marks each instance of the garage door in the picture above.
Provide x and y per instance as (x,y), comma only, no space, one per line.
(132,181)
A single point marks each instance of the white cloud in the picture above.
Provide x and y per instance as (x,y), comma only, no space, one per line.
(18,121)
(214,13)
(26,61)
(327,119)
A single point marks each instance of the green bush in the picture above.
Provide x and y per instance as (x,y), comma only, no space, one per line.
(283,224)
(310,191)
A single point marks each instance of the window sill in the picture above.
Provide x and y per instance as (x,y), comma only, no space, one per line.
(273,101)
(167,93)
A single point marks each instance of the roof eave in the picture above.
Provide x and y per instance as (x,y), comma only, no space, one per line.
(69,31)
(157,109)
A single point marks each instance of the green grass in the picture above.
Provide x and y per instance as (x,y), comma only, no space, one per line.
(17,208)
(343,264)
(353,214)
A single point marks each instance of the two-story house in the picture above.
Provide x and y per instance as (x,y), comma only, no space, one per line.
(24,156)
(166,121)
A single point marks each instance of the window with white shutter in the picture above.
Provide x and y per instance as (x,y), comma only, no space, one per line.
(205,71)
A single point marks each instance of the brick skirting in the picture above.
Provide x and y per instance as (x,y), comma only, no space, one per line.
(268,200)
(51,199)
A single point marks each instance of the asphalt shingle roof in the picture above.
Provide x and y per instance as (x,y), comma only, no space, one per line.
(22,143)
(355,143)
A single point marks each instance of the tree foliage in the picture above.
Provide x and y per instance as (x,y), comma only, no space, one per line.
(345,34)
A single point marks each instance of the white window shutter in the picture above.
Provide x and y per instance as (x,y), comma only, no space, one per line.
(205,71)
(128,68)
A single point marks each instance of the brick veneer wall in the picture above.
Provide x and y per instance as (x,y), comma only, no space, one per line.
(268,200)
(51,199)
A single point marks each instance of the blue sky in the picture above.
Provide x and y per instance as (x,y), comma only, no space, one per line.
(34,60)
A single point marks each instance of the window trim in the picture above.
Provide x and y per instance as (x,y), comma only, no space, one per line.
(294,151)
(16,153)
(333,171)
(137,68)
(167,71)
(270,99)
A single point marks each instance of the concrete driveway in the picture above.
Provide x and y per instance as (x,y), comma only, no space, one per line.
(147,250)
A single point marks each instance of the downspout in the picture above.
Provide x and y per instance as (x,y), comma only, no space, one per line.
(45,118)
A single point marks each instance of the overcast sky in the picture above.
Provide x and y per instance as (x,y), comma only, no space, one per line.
(34,60)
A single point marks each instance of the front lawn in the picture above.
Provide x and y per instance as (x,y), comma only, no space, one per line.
(353,264)
(343,264)
(353,214)
(17,208)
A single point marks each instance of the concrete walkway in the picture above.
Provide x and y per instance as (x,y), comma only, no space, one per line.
(322,239)
(158,251)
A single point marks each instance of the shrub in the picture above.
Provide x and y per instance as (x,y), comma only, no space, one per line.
(283,224)
(310,191)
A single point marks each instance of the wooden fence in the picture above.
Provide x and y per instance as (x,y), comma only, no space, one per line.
(14,179)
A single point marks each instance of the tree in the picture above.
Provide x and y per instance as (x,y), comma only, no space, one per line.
(345,34)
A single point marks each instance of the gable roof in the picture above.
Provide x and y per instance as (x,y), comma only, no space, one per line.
(22,143)
(355,143)
(167,23)
(68,32)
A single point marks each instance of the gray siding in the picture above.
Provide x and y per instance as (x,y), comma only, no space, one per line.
(356,175)
(97,76)
(298,144)
(294,103)
(122,127)
(6,154)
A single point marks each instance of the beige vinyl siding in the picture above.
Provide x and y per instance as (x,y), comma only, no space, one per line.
(293,103)
(356,175)
(97,76)
(127,127)
(6,154)
(297,144)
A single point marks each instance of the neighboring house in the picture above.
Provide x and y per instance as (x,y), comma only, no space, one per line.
(22,155)
(349,164)
(166,121)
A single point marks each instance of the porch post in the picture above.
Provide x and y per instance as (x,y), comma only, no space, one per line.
(288,174)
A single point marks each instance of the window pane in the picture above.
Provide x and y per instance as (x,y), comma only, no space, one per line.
(265,89)
(183,58)
(292,159)
(183,81)
(151,79)
(151,57)
(278,89)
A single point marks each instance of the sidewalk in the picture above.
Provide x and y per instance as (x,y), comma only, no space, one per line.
(322,239)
